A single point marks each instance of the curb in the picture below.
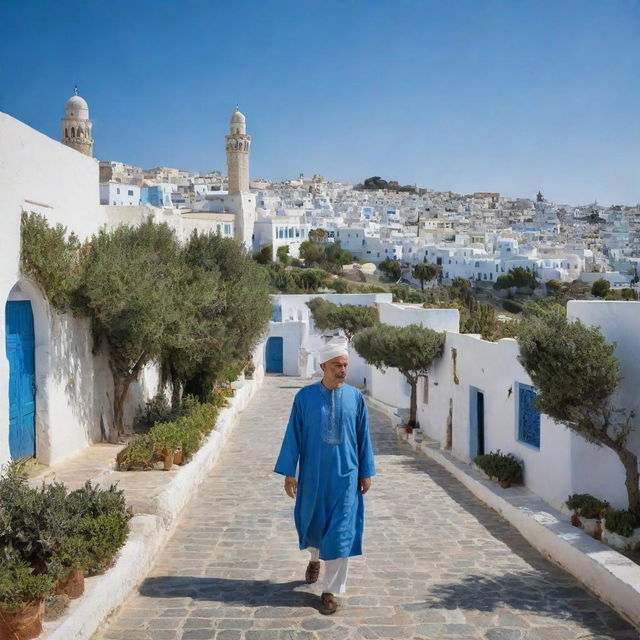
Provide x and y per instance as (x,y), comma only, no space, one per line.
(612,577)
(148,533)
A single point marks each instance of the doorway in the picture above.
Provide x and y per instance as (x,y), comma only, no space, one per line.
(476,422)
(274,355)
(20,349)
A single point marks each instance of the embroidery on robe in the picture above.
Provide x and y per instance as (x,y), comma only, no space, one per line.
(332,428)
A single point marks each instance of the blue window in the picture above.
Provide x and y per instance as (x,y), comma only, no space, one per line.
(130,192)
(528,416)
(227,228)
(276,313)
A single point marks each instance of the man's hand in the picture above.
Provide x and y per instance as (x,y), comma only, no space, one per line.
(364,484)
(290,486)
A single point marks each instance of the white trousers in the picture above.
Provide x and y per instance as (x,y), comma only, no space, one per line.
(335,572)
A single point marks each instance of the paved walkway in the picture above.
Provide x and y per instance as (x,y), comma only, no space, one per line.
(438,563)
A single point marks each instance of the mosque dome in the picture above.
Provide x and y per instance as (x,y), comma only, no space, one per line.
(76,107)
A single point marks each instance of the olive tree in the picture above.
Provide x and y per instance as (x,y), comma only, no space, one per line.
(576,374)
(232,317)
(424,272)
(133,291)
(350,318)
(411,350)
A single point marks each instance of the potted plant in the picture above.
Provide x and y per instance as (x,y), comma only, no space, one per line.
(505,468)
(587,513)
(138,455)
(73,558)
(166,442)
(22,596)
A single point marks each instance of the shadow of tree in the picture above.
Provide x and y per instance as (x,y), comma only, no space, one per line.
(247,593)
(532,592)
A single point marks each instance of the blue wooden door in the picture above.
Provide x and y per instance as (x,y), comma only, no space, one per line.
(20,345)
(476,422)
(274,355)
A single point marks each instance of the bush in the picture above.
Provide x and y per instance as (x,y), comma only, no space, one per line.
(105,535)
(157,409)
(137,455)
(18,583)
(621,521)
(502,467)
(586,505)
(512,306)
(600,288)
(187,431)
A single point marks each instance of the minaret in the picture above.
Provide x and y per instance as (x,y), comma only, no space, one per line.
(238,146)
(76,126)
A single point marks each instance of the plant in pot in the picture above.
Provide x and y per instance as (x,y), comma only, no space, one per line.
(22,595)
(72,558)
(587,513)
(138,455)
(166,442)
(505,468)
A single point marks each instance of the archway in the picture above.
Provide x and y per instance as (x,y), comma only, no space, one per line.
(27,331)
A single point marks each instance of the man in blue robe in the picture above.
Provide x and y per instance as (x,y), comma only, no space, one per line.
(327,441)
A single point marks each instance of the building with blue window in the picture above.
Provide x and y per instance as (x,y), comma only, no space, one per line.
(119,194)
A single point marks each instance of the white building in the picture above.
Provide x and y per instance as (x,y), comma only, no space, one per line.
(118,194)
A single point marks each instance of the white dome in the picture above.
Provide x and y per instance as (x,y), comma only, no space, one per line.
(76,107)
(238,117)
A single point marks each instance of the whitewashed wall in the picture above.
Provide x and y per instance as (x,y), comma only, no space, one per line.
(74,388)
(565,463)
(391,387)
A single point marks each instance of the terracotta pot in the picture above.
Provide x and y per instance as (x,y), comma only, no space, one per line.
(167,460)
(408,429)
(505,484)
(25,624)
(72,585)
(177,456)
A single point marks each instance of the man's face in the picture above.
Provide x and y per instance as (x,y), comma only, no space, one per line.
(335,370)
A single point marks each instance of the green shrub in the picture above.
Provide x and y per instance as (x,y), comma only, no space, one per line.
(72,555)
(138,454)
(105,535)
(586,505)
(512,306)
(621,521)
(166,438)
(157,409)
(502,467)
(18,583)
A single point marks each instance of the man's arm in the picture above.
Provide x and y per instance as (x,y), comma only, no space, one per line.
(366,463)
(290,451)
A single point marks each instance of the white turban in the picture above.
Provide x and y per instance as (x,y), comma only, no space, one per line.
(335,347)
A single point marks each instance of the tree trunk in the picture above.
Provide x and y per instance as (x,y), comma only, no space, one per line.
(176,390)
(422,285)
(120,389)
(632,477)
(413,410)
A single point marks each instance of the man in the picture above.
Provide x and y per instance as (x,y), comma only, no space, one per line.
(327,440)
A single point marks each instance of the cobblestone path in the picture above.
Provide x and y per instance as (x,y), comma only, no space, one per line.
(437,564)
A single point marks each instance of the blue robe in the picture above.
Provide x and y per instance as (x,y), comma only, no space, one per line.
(327,439)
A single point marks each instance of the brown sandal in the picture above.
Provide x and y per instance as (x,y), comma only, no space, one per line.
(329,604)
(313,572)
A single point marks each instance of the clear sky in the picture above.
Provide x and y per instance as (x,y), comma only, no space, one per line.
(478,95)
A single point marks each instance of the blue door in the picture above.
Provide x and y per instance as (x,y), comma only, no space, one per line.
(274,355)
(20,345)
(476,422)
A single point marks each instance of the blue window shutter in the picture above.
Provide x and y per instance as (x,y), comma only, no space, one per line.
(528,417)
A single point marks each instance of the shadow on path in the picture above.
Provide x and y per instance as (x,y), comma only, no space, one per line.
(248,593)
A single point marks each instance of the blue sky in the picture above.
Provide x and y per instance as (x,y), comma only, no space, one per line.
(479,95)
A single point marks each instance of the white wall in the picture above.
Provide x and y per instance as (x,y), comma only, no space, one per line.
(73,388)
(599,472)
(391,386)
(565,463)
